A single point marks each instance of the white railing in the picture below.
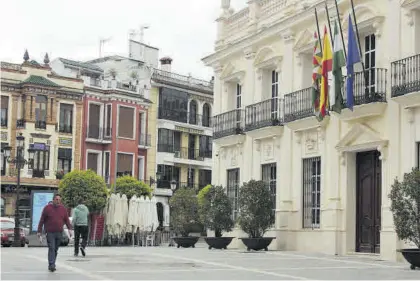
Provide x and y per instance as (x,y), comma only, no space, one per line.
(270,7)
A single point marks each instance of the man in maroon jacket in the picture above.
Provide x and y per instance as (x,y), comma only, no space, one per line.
(53,217)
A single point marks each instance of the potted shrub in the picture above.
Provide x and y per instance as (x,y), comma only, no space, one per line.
(215,210)
(405,207)
(184,214)
(256,216)
(59,174)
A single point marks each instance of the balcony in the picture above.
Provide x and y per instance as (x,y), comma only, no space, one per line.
(173,115)
(145,140)
(199,120)
(229,123)
(265,114)
(189,153)
(66,129)
(20,124)
(97,133)
(40,125)
(405,81)
(369,91)
(4,122)
(166,184)
(186,82)
(298,105)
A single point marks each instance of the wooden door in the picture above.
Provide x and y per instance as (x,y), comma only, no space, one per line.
(368,208)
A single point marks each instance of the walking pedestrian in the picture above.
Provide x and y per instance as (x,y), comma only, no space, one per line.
(80,225)
(53,218)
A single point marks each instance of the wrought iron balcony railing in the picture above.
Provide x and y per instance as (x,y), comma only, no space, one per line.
(185,152)
(41,124)
(405,76)
(20,123)
(229,123)
(63,128)
(369,87)
(298,105)
(145,140)
(99,133)
(199,120)
(4,122)
(264,114)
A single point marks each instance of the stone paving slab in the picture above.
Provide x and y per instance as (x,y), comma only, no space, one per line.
(169,263)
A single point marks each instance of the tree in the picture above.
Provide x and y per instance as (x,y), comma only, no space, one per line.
(215,209)
(83,185)
(130,186)
(184,207)
(255,204)
(405,207)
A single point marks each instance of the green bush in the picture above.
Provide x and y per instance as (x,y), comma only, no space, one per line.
(184,210)
(405,207)
(255,205)
(130,186)
(83,185)
(215,209)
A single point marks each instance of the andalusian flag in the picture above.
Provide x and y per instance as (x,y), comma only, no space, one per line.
(316,76)
(326,67)
(339,61)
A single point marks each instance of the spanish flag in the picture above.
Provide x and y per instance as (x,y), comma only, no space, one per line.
(327,56)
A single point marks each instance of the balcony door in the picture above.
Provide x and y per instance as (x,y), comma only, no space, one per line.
(94,121)
(41,160)
(191,146)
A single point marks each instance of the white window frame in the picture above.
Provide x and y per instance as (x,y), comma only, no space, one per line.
(134,121)
(106,120)
(99,162)
(142,177)
(109,165)
(133,164)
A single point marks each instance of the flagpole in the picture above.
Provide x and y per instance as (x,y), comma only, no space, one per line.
(358,41)
(341,29)
(329,24)
(319,34)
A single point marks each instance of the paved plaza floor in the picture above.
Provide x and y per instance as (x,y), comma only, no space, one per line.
(164,263)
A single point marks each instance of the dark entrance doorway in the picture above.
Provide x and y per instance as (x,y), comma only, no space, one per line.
(368,208)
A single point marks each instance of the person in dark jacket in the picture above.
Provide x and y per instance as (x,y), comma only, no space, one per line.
(53,218)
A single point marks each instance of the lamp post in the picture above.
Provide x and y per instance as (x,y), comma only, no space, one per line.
(158,177)
(19,163)
(173,188)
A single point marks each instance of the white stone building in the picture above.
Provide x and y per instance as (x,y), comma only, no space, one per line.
(331,179)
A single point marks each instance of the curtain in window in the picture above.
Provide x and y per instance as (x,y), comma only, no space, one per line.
(126,122)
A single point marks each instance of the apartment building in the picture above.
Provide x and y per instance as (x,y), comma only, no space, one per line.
(115,138)
(183,107)
(47,110)
(330,179)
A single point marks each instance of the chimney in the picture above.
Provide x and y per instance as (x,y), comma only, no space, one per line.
(165,64)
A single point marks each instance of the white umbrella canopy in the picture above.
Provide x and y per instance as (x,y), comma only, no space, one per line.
(110,214)
(140,213)
(124,212)
(155,218)
(118,214)
(132,209)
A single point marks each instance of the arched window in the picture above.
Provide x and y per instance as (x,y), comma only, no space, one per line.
(206,115)
(193,112)
(159,207)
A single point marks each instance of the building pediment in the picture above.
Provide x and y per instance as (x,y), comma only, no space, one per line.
(266,57)
(359,138)
(305,41)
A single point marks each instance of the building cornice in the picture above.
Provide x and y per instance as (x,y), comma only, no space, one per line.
(278,28)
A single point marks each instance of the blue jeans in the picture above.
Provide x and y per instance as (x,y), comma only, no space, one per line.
(54,241)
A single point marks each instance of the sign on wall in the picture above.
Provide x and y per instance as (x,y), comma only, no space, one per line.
(189,130)
(39,199)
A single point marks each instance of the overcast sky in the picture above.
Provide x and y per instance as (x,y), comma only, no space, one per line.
(182,29)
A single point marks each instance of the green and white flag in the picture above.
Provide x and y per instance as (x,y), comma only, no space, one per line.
(339,61)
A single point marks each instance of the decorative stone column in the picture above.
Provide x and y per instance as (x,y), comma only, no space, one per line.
(287,62)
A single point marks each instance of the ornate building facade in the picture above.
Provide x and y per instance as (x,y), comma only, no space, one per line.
(47,110)
(330,179)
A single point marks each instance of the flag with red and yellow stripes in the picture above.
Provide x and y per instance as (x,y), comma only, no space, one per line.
(327,56)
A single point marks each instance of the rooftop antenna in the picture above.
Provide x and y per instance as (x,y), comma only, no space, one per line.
(142,28)
(102,41)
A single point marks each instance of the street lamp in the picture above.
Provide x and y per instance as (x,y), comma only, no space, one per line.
(158,177)
(19,163)
(173,185)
